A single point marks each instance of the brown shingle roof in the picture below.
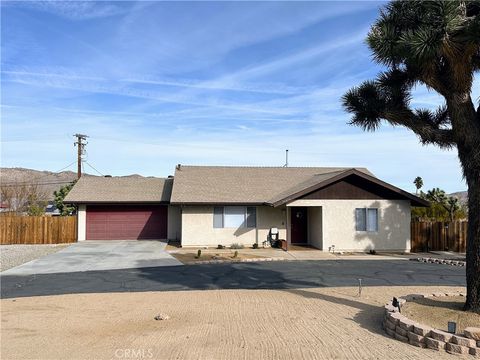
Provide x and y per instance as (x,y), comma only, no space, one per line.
(244,185)
(120,190)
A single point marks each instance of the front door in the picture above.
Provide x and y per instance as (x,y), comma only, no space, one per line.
(298,228)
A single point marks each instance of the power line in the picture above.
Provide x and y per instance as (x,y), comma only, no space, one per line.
(39,184)
(86,162)
(39,177)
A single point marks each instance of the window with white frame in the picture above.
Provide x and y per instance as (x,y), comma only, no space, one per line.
(366,219)
(234,217)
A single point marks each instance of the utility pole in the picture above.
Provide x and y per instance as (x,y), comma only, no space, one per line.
(286,159)
(80,143)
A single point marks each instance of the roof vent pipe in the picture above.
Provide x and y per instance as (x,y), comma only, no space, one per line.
(179,166)
(286,158)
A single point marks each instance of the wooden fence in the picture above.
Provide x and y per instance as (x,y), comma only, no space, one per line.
(439,236)
(16,229)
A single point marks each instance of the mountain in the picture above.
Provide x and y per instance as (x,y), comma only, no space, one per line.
(46,181)
(462,196)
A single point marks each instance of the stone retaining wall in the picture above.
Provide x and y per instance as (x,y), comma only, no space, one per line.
(403,329)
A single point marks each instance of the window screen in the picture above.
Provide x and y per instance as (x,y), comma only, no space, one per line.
(251,217)
(360,219)
(372,220)
(218,217)
(234,216)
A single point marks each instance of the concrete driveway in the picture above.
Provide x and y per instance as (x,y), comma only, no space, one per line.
(99,255)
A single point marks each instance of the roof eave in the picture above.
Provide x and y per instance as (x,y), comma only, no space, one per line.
(415,200)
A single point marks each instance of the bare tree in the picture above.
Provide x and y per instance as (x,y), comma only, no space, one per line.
(21,196)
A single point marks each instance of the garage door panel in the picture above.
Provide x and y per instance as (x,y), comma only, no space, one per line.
(126,222)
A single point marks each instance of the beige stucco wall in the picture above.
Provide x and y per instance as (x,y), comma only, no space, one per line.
(174,227)
(338,218)
(197,227)
(315,235)
(81,222)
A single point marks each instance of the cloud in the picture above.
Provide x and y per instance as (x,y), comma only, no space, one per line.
(74,10)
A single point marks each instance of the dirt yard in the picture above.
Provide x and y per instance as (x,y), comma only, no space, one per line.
(321,323)
(438,311)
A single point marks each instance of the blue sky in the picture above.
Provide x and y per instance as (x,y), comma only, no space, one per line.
(208,83)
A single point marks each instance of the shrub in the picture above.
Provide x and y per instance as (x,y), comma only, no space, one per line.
(236,246)
(235,254)
(373,252)
(220,247)
(255,246)
(199,253)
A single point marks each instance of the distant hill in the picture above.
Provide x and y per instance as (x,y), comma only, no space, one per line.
(462,196)
(47,181)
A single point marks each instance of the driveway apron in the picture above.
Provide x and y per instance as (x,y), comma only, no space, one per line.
(100,255)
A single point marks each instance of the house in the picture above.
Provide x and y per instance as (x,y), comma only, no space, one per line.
(345,209)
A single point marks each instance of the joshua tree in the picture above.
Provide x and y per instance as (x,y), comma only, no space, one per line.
(436,44)
(418,183)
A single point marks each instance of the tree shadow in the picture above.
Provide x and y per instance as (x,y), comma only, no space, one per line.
(246,275)
(369,316)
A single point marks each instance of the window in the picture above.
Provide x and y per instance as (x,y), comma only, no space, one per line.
(234,217)
(366,219)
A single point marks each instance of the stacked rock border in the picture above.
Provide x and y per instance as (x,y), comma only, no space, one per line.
(199,262)
(440,261)
(403,329)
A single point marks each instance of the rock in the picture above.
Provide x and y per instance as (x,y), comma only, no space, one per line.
(472,333)
(390,332)
(457,349)
(475,351)
(415,337)
(401,331)
(162,317)
(390,325)
(401,338)
(434,344)
(417,344)
(440,335)
(460,340)
(422,330)
(406,324)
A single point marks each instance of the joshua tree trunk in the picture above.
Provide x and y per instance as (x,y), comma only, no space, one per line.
(466,127)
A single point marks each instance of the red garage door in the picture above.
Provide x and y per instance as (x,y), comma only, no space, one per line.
(126,222)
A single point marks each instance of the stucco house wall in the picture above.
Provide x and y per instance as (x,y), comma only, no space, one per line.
(198,231)
(81,222)
(338,224)
(315,227)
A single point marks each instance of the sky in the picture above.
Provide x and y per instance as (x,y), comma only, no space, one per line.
(154,84)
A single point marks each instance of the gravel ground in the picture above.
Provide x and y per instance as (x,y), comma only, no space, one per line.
(14,255)
(307,324)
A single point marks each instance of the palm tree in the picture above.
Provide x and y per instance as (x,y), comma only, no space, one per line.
(418,183)
(436,44)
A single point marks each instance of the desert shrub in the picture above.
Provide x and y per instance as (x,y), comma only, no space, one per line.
(236,246)
(235,254)
(219,246)
(199,253)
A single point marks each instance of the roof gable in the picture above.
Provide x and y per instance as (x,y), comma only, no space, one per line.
(350,184)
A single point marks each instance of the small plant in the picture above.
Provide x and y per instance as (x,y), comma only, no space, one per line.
(236,246)
(235,254)
(199,253)
(255,246)
(373,252)
(220,247)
